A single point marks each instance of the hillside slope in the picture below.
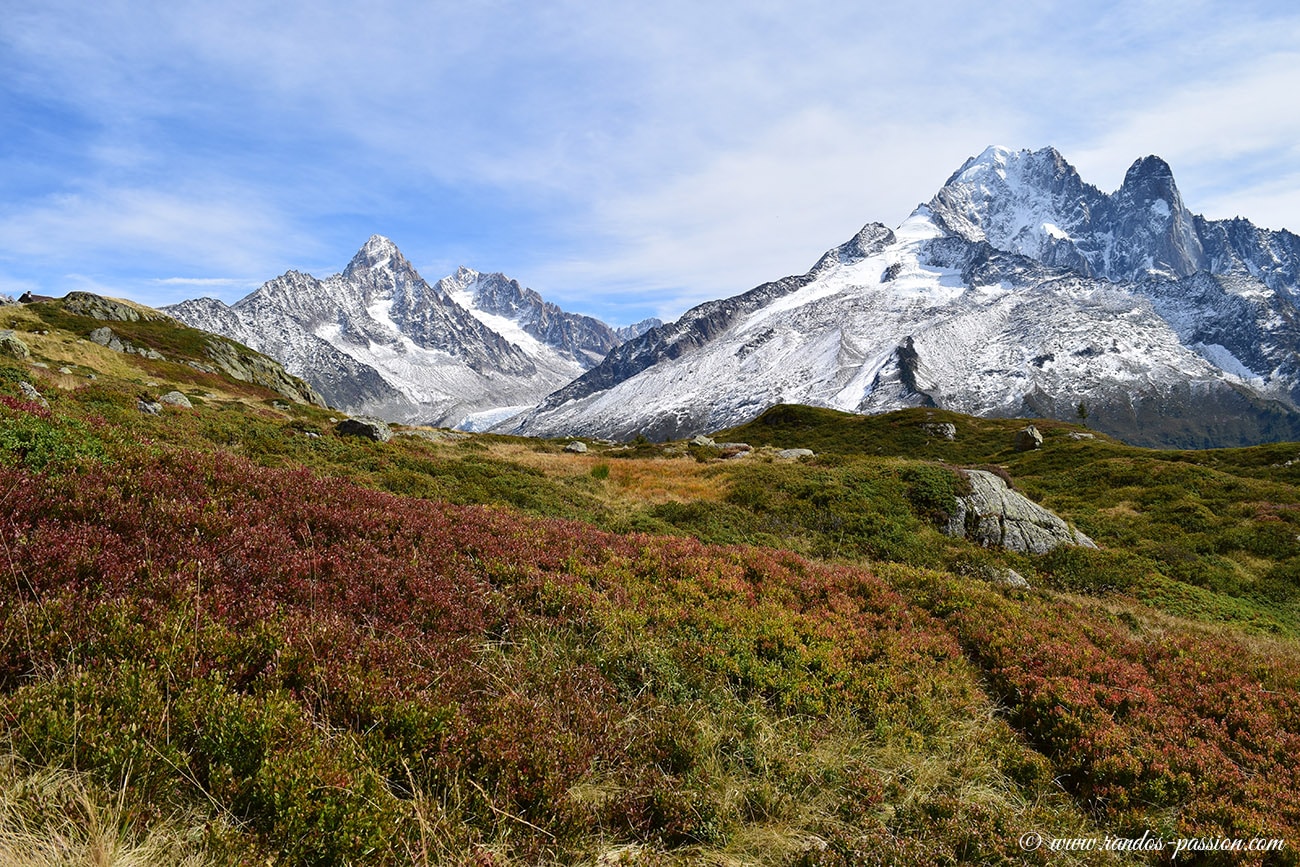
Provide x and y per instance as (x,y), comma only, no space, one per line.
(309,648)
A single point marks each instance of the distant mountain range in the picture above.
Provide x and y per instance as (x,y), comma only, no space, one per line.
(1018,290)
(468,350)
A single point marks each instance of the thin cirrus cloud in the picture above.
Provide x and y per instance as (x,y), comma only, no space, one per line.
(623,159)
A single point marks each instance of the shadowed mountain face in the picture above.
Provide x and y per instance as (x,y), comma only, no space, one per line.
(1019,289)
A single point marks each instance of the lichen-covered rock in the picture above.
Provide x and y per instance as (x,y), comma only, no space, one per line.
(702,440)
(366,428)
(13,347)
(108,339)
(794,454)
(577,447)
(148,407)
(993,515)
(1007,578)
(175,398)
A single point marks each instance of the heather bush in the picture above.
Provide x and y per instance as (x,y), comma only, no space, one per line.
(317,664)
(1182,733)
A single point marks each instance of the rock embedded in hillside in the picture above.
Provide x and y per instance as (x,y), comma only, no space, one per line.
(993,515)
(795,454)
(367,428)
(702,440)
(577,447)
(108,339)
(148,407)
(29,391)
(175,398)
(12,346)
(942,430)
(1007,578)
(248,366)
(1080,435)
(110,309)
(1027,439)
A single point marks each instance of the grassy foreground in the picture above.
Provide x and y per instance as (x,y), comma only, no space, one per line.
(224,640)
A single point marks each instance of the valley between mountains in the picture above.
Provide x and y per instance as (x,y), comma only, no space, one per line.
(985,530)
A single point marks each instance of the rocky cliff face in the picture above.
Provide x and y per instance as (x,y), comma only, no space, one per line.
(1228,288)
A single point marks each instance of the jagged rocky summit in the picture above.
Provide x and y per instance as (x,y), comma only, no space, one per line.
(377,339)
(1017,291)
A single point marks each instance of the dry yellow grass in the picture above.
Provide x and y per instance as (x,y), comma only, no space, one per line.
(50,818)
(1126,508)
(631,481)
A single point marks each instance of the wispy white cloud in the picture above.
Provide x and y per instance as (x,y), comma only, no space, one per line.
(210,233)
(1233,148)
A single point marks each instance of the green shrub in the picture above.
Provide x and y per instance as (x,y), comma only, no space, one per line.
(933,490)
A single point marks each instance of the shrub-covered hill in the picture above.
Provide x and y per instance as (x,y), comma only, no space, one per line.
(238,637)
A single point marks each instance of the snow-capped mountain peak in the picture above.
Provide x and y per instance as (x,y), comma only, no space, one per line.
(378,339)
(1019,289)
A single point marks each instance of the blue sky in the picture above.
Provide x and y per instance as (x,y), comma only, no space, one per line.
(623,159)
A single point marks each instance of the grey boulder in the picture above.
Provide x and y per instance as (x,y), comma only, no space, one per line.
(993,515)
(1027,439)
(366,428)
(12,346)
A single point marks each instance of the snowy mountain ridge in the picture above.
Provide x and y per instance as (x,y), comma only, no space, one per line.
(1018,290)
(377,339)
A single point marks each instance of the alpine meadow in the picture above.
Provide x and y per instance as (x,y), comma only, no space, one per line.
(241,628)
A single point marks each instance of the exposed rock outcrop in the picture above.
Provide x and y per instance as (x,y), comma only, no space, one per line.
(108,339)
(942,430)
(993,515)
(247,366)
(109,309)
(1027,439)
(29,391)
